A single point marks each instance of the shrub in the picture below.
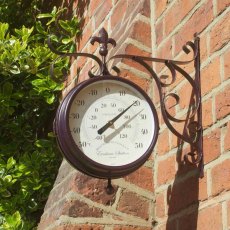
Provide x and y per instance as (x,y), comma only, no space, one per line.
(29,98)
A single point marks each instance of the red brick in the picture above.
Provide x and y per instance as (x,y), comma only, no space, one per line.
(141,32)
(118,13)
(222,5)
(203,192)
(76,208)
(87,33)
(183,194)
(227,138)
(176,13)
(155,97)
(207,118)
(165,52)
(220,177)
(170,225)
(130,228)
(220,34)
(64,170)
(159,31)
(60,191)
(228,213)
(186,96)
(210,218)
(79,227)
(142,7)
(133,50)
(166,170)
(175,141)
(137,178)
(142,82)
(92,188)
(211,144)
(163,143)
(227,65)
(160,205)
(210,76)
(102,12)
(204,48)
(160,6)
(188,222)
(44,221)
(197,23)
(133,204)
(93,6)
(223,103)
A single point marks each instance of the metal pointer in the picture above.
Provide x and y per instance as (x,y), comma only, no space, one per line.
(111,122)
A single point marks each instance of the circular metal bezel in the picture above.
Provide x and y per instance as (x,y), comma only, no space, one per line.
(75,156)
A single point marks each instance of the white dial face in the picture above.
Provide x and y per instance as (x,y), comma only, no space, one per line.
(111,122)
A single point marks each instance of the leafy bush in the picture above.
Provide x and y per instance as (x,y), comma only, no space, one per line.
(29,98)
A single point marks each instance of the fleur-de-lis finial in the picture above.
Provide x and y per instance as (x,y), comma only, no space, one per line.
(103,40)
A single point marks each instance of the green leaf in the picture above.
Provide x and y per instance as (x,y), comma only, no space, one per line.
(7,88)
(66,40)
(43,143)
(50,99)
(5,193)
(15,70)
(45,16)
(10,163)
(7,179)
(3,30)
(13,221)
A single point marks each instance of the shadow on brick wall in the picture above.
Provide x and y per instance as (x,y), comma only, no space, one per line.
(183,195)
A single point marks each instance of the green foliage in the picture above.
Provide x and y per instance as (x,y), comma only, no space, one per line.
(29,98)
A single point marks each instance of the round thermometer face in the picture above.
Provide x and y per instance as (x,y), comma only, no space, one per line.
(112,122)
(106,127)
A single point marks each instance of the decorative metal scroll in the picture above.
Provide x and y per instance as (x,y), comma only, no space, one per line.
(192,133)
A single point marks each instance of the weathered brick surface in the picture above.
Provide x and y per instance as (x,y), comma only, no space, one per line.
(210,218)
(223,103)
(160,7)
(163,142)
(142,178)
(207,118)
(133,204)
(199,20)
(79,227)
(220,177)
(222,5)
(166,170)
(183,194)
(227,137)
(220,34)
(102,12)
(227,65)
(130,228)
(76,208)
(160,205)
(176,13)
(228,214)
(142,82)
(210,76)
(212,146)
(92,188)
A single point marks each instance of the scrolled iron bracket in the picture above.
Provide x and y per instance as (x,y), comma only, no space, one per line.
(193,132)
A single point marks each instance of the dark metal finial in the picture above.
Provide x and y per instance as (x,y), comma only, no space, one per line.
(103,40)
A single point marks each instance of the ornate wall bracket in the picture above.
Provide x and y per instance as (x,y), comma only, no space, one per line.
(193,132)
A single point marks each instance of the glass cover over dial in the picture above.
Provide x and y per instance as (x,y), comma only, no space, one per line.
(111,122)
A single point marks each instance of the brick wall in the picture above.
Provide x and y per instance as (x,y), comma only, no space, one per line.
(165,193)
